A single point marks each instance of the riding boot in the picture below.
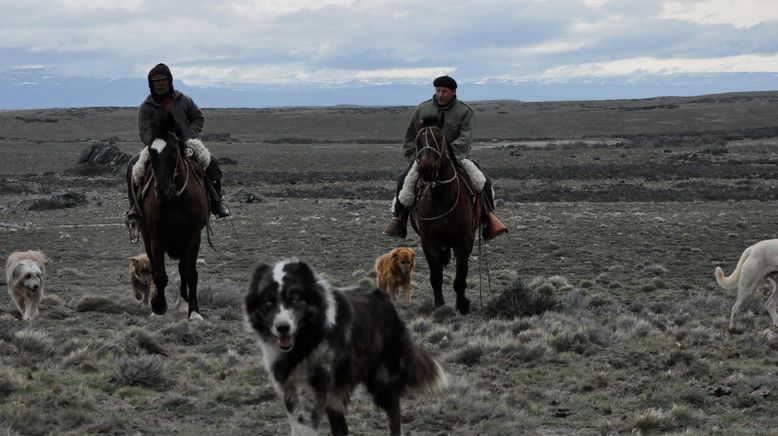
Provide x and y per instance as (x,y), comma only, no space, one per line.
(214,174)
(493,227)
(133,214)
(398,226)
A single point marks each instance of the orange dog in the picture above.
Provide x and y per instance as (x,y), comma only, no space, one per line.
(139,273)
(393,271)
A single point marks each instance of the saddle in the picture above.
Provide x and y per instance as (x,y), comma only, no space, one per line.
(484,217)
(146,180)
(476,198)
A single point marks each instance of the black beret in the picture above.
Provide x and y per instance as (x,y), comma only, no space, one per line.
(445,82)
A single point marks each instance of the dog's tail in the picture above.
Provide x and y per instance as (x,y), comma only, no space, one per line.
(426,374)
(730,282)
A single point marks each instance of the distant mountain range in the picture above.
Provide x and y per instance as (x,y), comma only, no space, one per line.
(43,88)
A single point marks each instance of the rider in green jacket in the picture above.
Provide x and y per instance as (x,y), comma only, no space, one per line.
(458,127)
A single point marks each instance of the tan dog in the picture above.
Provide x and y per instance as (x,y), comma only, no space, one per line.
(26,276)
(394,270)
(758,263)
(140,277)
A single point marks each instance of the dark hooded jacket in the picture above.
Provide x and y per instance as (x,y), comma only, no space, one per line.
(459,122)
(152,113)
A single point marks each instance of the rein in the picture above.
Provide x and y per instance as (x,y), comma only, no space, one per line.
(441,149)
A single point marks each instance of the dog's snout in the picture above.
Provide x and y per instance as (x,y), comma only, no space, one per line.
(283,328)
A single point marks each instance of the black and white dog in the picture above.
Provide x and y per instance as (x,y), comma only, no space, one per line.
(319,342)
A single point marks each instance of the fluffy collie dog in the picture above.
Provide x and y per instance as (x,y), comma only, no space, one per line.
(394,270)
(139,273)
(26,276)
(319,342)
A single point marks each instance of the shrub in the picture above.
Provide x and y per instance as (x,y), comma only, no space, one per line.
(519,300)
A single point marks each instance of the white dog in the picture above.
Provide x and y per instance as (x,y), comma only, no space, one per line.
(26,276)
(758,263)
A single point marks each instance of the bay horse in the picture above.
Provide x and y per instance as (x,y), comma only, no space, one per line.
(444,213)
(173,217)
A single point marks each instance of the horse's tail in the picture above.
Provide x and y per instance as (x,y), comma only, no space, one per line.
(731,281)
(445,256)
(426,374)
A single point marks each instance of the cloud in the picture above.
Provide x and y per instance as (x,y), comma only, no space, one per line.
(739,13)
(653,66)
(331,42)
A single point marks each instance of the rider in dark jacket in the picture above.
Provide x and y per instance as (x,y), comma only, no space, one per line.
(163,99)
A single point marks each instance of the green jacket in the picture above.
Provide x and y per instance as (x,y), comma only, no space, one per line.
(458,129)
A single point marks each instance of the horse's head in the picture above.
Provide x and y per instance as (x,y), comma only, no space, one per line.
(165,153)
(431,148)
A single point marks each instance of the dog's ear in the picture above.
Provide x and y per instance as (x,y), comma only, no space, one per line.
(17,272)
(301,270)
(134,261)
(260,272)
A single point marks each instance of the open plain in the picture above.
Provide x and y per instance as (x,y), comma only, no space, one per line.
(597,313)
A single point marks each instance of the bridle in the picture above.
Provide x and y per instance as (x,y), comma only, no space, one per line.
(441,149)
(438,147)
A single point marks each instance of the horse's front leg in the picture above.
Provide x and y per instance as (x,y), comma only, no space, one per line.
(436,275)
(460,284)
(182,305)
(158,301)
(191,282)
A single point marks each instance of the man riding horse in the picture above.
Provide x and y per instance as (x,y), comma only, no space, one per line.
(458,128)
(163,99)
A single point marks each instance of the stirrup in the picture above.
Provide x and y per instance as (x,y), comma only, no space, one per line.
(133,228)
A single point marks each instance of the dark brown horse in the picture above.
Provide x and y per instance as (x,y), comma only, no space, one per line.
(173,218)
(444,213)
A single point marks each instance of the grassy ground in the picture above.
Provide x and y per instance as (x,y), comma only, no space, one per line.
(597,313)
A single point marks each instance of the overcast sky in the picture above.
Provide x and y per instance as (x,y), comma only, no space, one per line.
(331,42)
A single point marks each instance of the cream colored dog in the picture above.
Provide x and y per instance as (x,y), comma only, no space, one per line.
(394,270)
(758,263)
(26,276)
(139,273)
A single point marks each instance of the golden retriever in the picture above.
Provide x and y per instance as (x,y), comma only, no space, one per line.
(139,273)
(26,276)
(758,263)
(394,270)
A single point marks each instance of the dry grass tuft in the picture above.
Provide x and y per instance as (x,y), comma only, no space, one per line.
(182,333)
(35,343)
(145,371)
(216,294)
(658,420)
(470,355)
(139,340)
(91,303)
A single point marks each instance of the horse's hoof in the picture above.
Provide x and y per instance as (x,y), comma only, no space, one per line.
(194,316)
(158,305)
(463,305)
